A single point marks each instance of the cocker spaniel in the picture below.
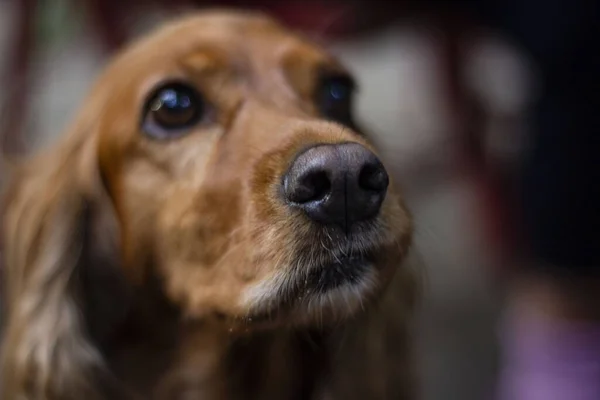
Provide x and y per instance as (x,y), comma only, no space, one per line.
(213,225)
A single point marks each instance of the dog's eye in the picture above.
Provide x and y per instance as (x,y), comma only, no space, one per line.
(171,109)
(334,98)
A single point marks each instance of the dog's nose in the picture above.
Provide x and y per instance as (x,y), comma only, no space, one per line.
(337,183)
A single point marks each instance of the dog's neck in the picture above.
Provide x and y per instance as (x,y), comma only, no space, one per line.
(158,354)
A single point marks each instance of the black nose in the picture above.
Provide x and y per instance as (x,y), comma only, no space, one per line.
(337,183)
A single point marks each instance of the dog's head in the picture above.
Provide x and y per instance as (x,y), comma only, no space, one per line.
(225,146)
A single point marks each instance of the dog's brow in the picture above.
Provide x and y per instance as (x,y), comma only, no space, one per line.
(287,47)
(204,59)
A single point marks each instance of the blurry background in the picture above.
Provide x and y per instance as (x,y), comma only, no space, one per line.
(445,98)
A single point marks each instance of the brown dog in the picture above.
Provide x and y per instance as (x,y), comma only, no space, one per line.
(212,226)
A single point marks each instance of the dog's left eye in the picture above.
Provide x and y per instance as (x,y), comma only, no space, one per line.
(171,109)
(334,98)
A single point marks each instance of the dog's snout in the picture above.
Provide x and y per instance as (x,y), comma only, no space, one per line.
(337,184)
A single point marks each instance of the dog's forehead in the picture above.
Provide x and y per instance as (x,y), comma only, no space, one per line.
(231,34)
(225,25)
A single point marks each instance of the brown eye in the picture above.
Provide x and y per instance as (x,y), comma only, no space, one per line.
(171,110)
(334,98)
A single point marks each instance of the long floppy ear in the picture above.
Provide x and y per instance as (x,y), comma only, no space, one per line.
(61,275)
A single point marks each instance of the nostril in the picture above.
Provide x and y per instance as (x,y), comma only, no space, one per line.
(373,177)
(311,186)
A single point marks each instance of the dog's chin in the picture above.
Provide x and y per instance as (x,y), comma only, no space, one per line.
(325,295)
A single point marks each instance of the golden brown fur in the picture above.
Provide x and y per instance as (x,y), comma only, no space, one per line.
(144,269)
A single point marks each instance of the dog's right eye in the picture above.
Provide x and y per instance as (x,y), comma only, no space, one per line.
(171,110)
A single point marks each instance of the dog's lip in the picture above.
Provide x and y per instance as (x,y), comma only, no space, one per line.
(337,271)
(346,270)
(349,269)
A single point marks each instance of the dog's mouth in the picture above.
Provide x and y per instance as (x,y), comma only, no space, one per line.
(344,270)
(341,277)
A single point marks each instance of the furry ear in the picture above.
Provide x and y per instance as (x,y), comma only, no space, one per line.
(61,267)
